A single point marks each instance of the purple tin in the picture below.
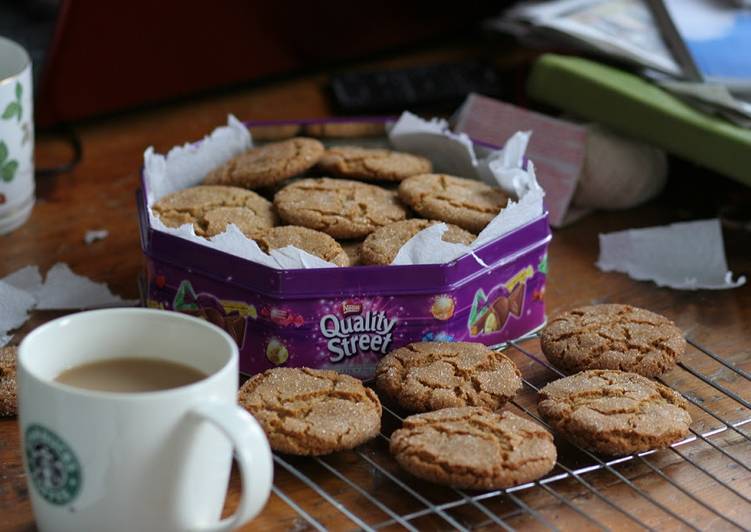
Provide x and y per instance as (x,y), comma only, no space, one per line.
(348,318)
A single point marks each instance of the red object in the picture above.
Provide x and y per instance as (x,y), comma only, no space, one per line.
(107,56)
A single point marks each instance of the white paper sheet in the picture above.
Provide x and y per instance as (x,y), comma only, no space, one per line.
(64,289)
(23,290)
(450,152)
(27,279)
(95,234)
(15,305)
(685,256)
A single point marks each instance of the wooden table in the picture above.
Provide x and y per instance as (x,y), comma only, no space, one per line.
(99,194)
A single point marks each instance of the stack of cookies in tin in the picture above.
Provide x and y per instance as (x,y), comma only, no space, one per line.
(347,205)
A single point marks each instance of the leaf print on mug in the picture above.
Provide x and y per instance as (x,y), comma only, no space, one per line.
(7,167)
(14,108)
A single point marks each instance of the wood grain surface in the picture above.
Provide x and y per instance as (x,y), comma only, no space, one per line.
(99,194)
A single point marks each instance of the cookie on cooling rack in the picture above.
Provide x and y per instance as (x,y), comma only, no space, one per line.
(425,376)
(311,412)
(472,447)
(614,412)
(612,336)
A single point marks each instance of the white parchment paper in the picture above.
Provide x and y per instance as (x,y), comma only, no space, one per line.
(23,291)
(685,256)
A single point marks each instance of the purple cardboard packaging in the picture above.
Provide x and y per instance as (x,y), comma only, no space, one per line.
(346,319)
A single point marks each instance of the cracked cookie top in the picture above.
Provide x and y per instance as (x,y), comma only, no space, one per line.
(311,412)
(613,337)
(211,208)
(8,356)
(472,447)
(468,203)
(314,242)
(383,244)
(614,412)
(372,164)
(426,376)
(269,164)
(339,207)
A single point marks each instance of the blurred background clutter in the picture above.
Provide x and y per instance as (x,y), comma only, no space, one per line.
(625,97)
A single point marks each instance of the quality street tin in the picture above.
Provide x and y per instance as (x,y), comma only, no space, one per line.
(347,318)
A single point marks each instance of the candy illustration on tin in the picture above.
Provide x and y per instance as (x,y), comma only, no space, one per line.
(443,307)
(489,313)
(440,336)
(282,317)
(276,352)
(208,307)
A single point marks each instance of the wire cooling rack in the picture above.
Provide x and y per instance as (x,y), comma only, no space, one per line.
(365,488)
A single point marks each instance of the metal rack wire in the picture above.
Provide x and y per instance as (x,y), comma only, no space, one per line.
(367,487)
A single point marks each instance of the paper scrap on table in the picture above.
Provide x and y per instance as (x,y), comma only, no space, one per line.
(63,289)
(685,256)
(15,305)
(23,290)
(95,234)
(185,166)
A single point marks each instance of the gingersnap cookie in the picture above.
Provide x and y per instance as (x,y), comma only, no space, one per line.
(372,164)
(314,242)
(311,412)
(472,447)
(612,337)
(468,203)
(382,245)
(8,357)
(346,130)
(352,249)
(212,208)
(614,412)
(339,207)
(267,165)
(425,376)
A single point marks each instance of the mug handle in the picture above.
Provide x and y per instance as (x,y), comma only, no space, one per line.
(253,456)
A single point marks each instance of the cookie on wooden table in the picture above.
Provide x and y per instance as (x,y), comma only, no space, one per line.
(211,208)
(612,336)
(8,390)
(311,412)
(372,164)
(468,203)
(425,376)
(614,412)
(382,245)
(472,447)
(314,242)
(268,164)
(339,207)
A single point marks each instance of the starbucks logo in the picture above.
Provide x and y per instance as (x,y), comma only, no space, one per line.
(54,469)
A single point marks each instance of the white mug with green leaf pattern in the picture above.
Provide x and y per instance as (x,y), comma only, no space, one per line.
(16,136)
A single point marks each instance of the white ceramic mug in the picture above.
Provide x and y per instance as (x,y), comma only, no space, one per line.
(16,136)
(153,461)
